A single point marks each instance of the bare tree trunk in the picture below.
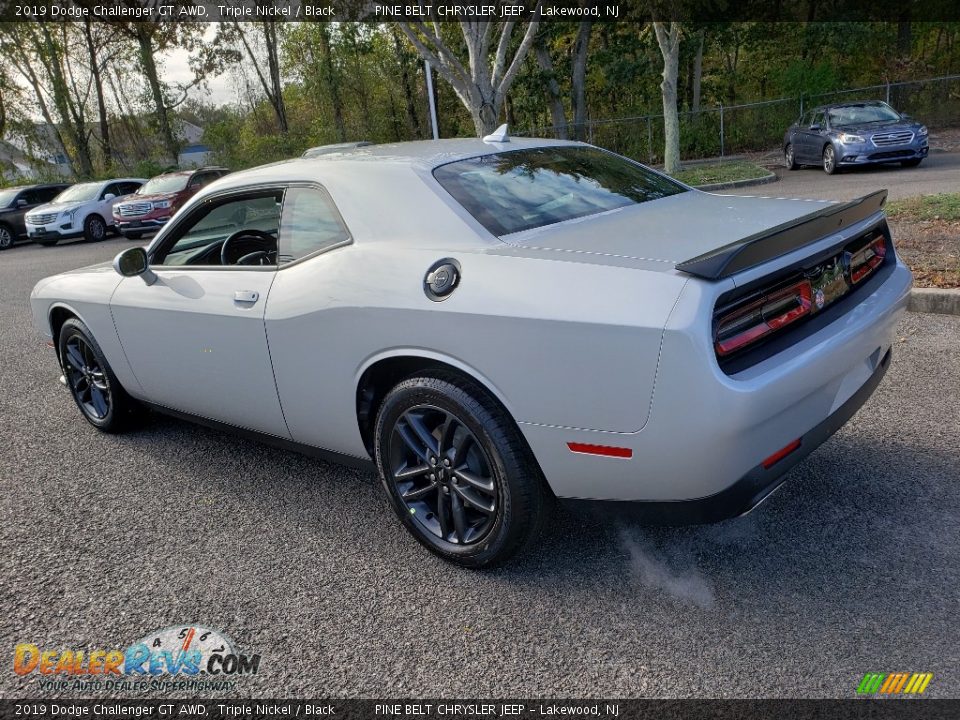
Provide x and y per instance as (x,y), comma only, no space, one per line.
(71,118)
(697,73)
(413,120)
(579,79)
(484,86)
(149,64)
(554,102)
(101,101)
(273,62)
(333,84)
(668,38)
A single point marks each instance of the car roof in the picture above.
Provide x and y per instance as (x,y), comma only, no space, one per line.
(431,153)
(38,186)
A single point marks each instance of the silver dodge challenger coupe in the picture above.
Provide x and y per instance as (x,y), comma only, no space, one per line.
(495,324)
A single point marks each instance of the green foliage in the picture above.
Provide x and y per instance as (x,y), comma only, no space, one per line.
(945,206)
(720,173)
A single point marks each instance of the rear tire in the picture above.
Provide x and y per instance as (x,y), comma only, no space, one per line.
(457,471)
(98,394)
(94,229)
(912,163)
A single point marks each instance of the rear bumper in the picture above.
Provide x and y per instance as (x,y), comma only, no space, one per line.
(751,489)
(708,431)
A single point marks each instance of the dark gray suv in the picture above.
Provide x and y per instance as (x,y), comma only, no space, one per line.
(850,134)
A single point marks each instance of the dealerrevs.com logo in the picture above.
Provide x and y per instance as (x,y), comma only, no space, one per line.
(898,683)
(183,657)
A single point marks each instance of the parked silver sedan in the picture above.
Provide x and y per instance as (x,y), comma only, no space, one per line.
(496,325)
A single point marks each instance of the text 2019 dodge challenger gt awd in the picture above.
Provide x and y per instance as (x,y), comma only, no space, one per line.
(495,324)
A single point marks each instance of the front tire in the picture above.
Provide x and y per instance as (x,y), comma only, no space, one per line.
(132,235)
(829,160)
(6,237)
(789,159)
(94,229)
(99,395)
(457,471)
(47,243)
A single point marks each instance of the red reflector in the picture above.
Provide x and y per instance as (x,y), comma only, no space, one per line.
(780,454)
(605,450)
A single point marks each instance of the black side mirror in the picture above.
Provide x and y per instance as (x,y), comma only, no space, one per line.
(21,203)
(133,262)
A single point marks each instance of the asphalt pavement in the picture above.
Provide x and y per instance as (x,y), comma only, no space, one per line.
(852,567)
(939,173)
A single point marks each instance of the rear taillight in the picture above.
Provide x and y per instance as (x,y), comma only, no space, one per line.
(745,325)
(867,259)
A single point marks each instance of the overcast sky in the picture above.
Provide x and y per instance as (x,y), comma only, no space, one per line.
(176,69)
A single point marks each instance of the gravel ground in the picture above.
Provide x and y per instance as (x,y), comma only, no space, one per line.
(852,567)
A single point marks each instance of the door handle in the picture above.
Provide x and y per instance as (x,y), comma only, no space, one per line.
(246,296)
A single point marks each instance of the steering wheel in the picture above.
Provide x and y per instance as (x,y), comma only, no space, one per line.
(248,247)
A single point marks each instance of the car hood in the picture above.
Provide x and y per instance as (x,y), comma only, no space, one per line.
(154,197)
(668,230)
(871,128)
(53,208)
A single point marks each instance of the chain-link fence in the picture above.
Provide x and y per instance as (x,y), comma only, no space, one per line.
(725,130)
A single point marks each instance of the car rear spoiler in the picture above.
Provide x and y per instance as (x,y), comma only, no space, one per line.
(760,247)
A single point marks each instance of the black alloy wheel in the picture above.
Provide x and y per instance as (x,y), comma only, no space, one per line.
(442,475)
(789,159)
(94,387)
(6,237)
(457,471)
(87,380)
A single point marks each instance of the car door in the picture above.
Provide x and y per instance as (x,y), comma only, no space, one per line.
(26,201)
(811,132)
(195,339)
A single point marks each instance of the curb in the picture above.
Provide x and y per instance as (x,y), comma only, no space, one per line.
(935,300)
(763,180)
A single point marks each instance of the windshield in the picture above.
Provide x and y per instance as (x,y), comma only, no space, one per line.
(861,114)
(164,184)
(7,196)
(79,193)
(523,189)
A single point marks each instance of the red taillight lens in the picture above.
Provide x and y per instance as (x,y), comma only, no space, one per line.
(867,259)
(770,313)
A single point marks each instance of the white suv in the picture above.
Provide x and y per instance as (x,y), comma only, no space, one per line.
(84,210)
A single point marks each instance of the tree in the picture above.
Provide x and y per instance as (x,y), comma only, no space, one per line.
(483,87)
(668,38)
(254,37)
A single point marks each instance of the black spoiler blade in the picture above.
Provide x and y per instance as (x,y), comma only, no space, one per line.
(768,244)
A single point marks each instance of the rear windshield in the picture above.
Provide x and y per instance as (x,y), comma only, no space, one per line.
(522,189)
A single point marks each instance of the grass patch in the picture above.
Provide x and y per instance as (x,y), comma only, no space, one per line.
(945,206)
(721,172)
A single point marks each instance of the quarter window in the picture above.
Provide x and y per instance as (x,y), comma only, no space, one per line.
(310,223)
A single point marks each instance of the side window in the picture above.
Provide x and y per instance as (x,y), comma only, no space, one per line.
(30,197)
(111,189)
(310,223)
(199,180)
(48,194)
(236,231)
(817,119)
(128,187)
